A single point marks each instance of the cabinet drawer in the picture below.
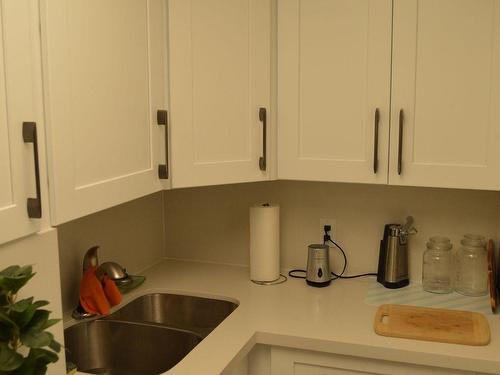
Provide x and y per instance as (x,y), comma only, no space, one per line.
(300,362)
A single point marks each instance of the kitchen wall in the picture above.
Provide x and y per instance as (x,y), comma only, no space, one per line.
(130,234)
(211,223)
(40,250)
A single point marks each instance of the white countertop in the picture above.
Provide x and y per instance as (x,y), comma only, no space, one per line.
(332,320)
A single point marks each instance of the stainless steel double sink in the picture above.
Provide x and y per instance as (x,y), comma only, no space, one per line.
(147,336)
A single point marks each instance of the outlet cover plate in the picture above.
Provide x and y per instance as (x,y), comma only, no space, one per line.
(332,223)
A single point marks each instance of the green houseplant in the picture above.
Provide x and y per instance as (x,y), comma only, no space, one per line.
(26,348)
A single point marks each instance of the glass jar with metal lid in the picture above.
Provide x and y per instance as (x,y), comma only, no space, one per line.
(472,266)
(438,266)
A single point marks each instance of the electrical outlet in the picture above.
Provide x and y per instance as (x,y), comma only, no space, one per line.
(332,223)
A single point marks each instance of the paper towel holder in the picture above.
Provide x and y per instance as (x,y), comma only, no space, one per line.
(264,220)
(279,280)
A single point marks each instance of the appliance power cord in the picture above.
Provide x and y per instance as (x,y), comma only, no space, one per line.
(326,239)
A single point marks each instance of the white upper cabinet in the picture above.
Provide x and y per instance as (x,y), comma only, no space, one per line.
(105,80)
(446,82)
(220,65)
(334,63)
(20,102)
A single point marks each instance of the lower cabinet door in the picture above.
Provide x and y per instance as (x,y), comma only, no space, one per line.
(300,362)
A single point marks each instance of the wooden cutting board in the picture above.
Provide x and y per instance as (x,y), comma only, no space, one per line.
(423,323)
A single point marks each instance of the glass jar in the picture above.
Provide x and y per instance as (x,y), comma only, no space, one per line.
(438,266)
(472,266)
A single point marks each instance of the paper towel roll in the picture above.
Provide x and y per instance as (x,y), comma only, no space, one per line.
(264,242)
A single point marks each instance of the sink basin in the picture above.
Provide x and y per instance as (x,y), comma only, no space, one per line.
(147,336)
(196,314)
(111,347)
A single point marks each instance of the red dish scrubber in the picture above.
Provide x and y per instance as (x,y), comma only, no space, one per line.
(92,297)
(111,291)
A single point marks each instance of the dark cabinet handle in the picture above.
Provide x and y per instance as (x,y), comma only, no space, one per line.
(34,205)
(263,158)
(400,143)
(162,119)
(375,140)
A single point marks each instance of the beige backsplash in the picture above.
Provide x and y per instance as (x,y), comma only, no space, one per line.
(130,234)
(211,223)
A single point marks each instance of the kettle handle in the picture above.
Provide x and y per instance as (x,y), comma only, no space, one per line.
(408,228)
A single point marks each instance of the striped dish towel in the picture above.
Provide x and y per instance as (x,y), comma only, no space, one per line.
(416,296)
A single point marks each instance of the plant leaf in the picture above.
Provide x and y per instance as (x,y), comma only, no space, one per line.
(15,271)
(22,319)
(9,271)
(40,318)
(36,362)
(3,298)
(55,346)
(9,359)
(36,339)
(50,323)
(40,370)
(21,305)
(33,335)
(5,333)
(44,356)
(6,320)
(14,278)
(40,303)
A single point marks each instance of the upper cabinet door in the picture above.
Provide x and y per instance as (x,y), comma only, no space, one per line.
(446,94)
(20,101)
(334,60)
(105,73)
(220,67)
